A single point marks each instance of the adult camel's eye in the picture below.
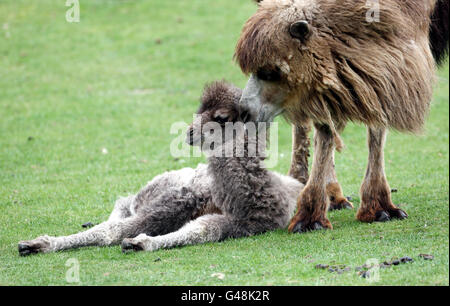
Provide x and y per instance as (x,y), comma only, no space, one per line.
(269,75)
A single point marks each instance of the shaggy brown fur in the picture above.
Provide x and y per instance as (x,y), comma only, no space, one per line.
(299,167)
(300,152)
(345,68)
(313,202)
(337,199)
(349,70)
(375,190)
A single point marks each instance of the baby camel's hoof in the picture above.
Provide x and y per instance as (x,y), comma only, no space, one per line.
(129,245)
(385,216)
(36,246)
(26,250)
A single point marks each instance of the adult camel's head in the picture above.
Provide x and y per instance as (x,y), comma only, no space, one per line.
(329,61)
(275,49)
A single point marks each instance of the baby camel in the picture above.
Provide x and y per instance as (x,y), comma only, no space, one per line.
(231,197)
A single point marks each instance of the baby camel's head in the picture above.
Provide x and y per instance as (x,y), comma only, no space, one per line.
(219,105)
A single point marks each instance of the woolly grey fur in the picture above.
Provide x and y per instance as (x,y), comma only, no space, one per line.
(228,198)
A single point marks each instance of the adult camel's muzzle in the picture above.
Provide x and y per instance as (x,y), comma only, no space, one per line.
(254,100)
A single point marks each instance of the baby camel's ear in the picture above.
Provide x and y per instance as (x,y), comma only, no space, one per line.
(258,1)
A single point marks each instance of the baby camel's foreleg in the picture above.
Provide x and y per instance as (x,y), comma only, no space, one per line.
(104,234)
(119,225)
(161,215)
(376,202)
(208,228)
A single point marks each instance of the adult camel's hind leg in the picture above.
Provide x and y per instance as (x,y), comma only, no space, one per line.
(334,191)
(300,152)
(376,203)
(313,201)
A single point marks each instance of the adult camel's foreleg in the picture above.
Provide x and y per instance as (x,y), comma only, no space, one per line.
(313,201)
(299,167)
(376,203)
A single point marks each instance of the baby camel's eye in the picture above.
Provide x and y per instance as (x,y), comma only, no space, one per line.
(269,75)
(222,116)
(222,119)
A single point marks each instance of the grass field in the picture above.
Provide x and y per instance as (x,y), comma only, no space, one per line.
(117,81)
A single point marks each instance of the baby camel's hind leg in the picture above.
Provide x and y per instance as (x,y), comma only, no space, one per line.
(171,210)
(376,203)
(122,209)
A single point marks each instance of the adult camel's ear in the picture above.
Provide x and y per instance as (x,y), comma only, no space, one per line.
(300,30)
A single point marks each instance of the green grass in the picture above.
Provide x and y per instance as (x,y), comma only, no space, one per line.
(118,80)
